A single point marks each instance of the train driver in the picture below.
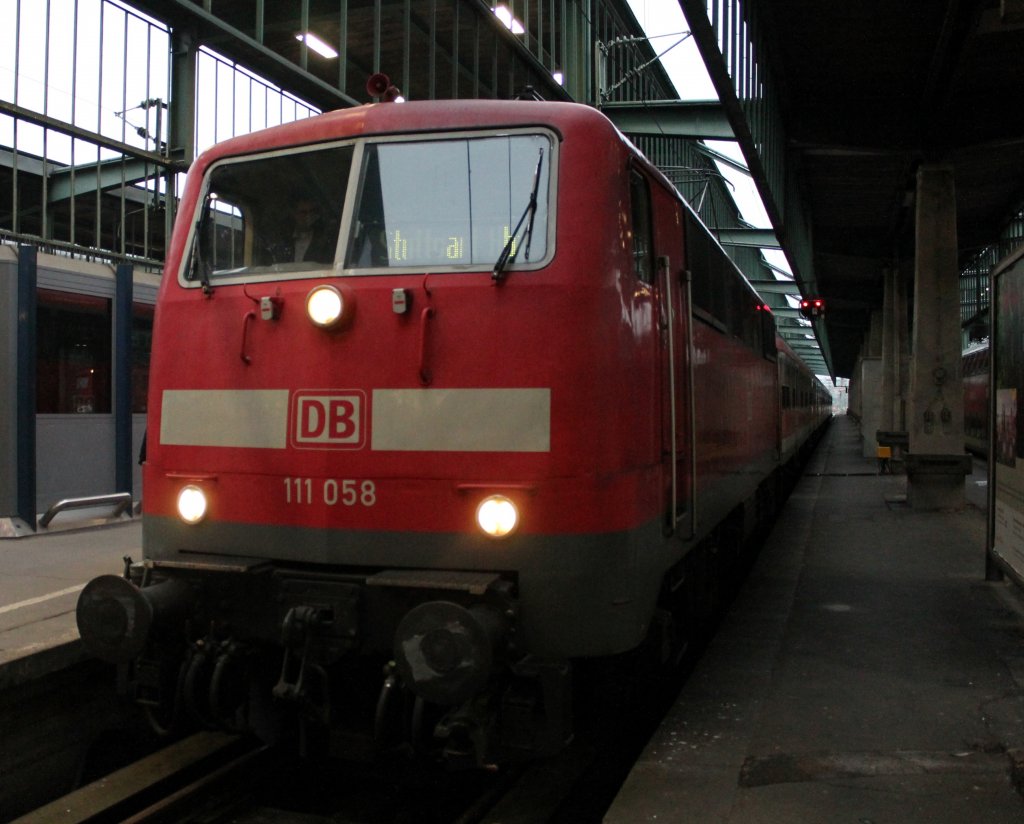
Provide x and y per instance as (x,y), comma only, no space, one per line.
(311,238)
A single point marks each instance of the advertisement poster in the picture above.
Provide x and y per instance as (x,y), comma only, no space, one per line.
(1007,498)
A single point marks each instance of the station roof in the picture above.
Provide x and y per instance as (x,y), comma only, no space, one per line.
(865,92)
(868,92)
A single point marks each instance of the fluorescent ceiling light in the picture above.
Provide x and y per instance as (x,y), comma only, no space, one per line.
(559,78)
(317,45)
(505,16)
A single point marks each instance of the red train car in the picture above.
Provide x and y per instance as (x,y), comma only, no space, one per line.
(443,397)
(805,402)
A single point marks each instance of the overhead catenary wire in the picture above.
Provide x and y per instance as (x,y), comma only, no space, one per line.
(620,41)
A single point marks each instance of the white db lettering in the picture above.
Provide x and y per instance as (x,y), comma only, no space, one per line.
(327,421)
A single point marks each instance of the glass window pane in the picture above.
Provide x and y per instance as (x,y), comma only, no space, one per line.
(272,214)
(74,351)
(643,251)
(451,202)
(142,343)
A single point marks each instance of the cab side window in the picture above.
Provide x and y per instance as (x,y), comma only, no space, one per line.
(643,248)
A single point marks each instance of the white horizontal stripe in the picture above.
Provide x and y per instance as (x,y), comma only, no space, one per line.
(461,420)
(254,418)
(33,601)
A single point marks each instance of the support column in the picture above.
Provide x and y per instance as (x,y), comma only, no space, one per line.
(181,115)
(18,399)
(123,457)
(853,406)
(8,394)
(892,432)
(936,462)
(890,352)
(903,275)
(871,387)
(181,108)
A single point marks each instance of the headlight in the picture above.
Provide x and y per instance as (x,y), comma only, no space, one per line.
(192,504)
(325,306)
(497,516)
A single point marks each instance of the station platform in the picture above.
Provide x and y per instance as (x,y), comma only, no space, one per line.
(866,672)
(40,578)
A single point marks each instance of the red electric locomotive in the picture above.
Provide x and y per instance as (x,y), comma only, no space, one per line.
(446,396)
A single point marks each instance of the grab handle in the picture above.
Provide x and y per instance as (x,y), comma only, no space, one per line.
(425,316)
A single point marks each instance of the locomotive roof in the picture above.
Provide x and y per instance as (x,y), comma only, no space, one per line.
(435,116)
(412,117)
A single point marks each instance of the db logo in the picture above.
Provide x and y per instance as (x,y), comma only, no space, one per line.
(327,420)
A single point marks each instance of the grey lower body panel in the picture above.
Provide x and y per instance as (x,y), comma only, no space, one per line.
(578,595)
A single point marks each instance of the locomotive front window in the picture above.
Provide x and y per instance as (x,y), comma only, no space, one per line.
(270,215)
(451,203)
(375,206)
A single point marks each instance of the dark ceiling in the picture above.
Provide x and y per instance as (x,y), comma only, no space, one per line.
(871,90)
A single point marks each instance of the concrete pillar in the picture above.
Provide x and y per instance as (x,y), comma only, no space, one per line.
(873,344)
(854,406)
(892,418)
(871,404)
(890,435)
(936,462)
(870,373)
(890,356)
(903,275)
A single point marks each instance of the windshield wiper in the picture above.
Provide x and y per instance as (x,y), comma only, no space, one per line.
(508,253)
(196,262)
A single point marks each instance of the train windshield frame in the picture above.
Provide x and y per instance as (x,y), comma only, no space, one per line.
(379,205)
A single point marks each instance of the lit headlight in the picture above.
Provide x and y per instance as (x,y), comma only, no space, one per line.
(325,306)
(497,516)
(192,504)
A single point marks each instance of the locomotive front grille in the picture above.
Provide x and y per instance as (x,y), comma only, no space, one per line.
(472,583)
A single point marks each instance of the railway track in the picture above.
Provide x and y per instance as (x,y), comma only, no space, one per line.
(152,788)
(216,778)
(213,778)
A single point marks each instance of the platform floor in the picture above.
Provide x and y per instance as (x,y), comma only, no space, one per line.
(866,673)
(40,578)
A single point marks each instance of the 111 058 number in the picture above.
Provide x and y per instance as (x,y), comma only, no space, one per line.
(330,492)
